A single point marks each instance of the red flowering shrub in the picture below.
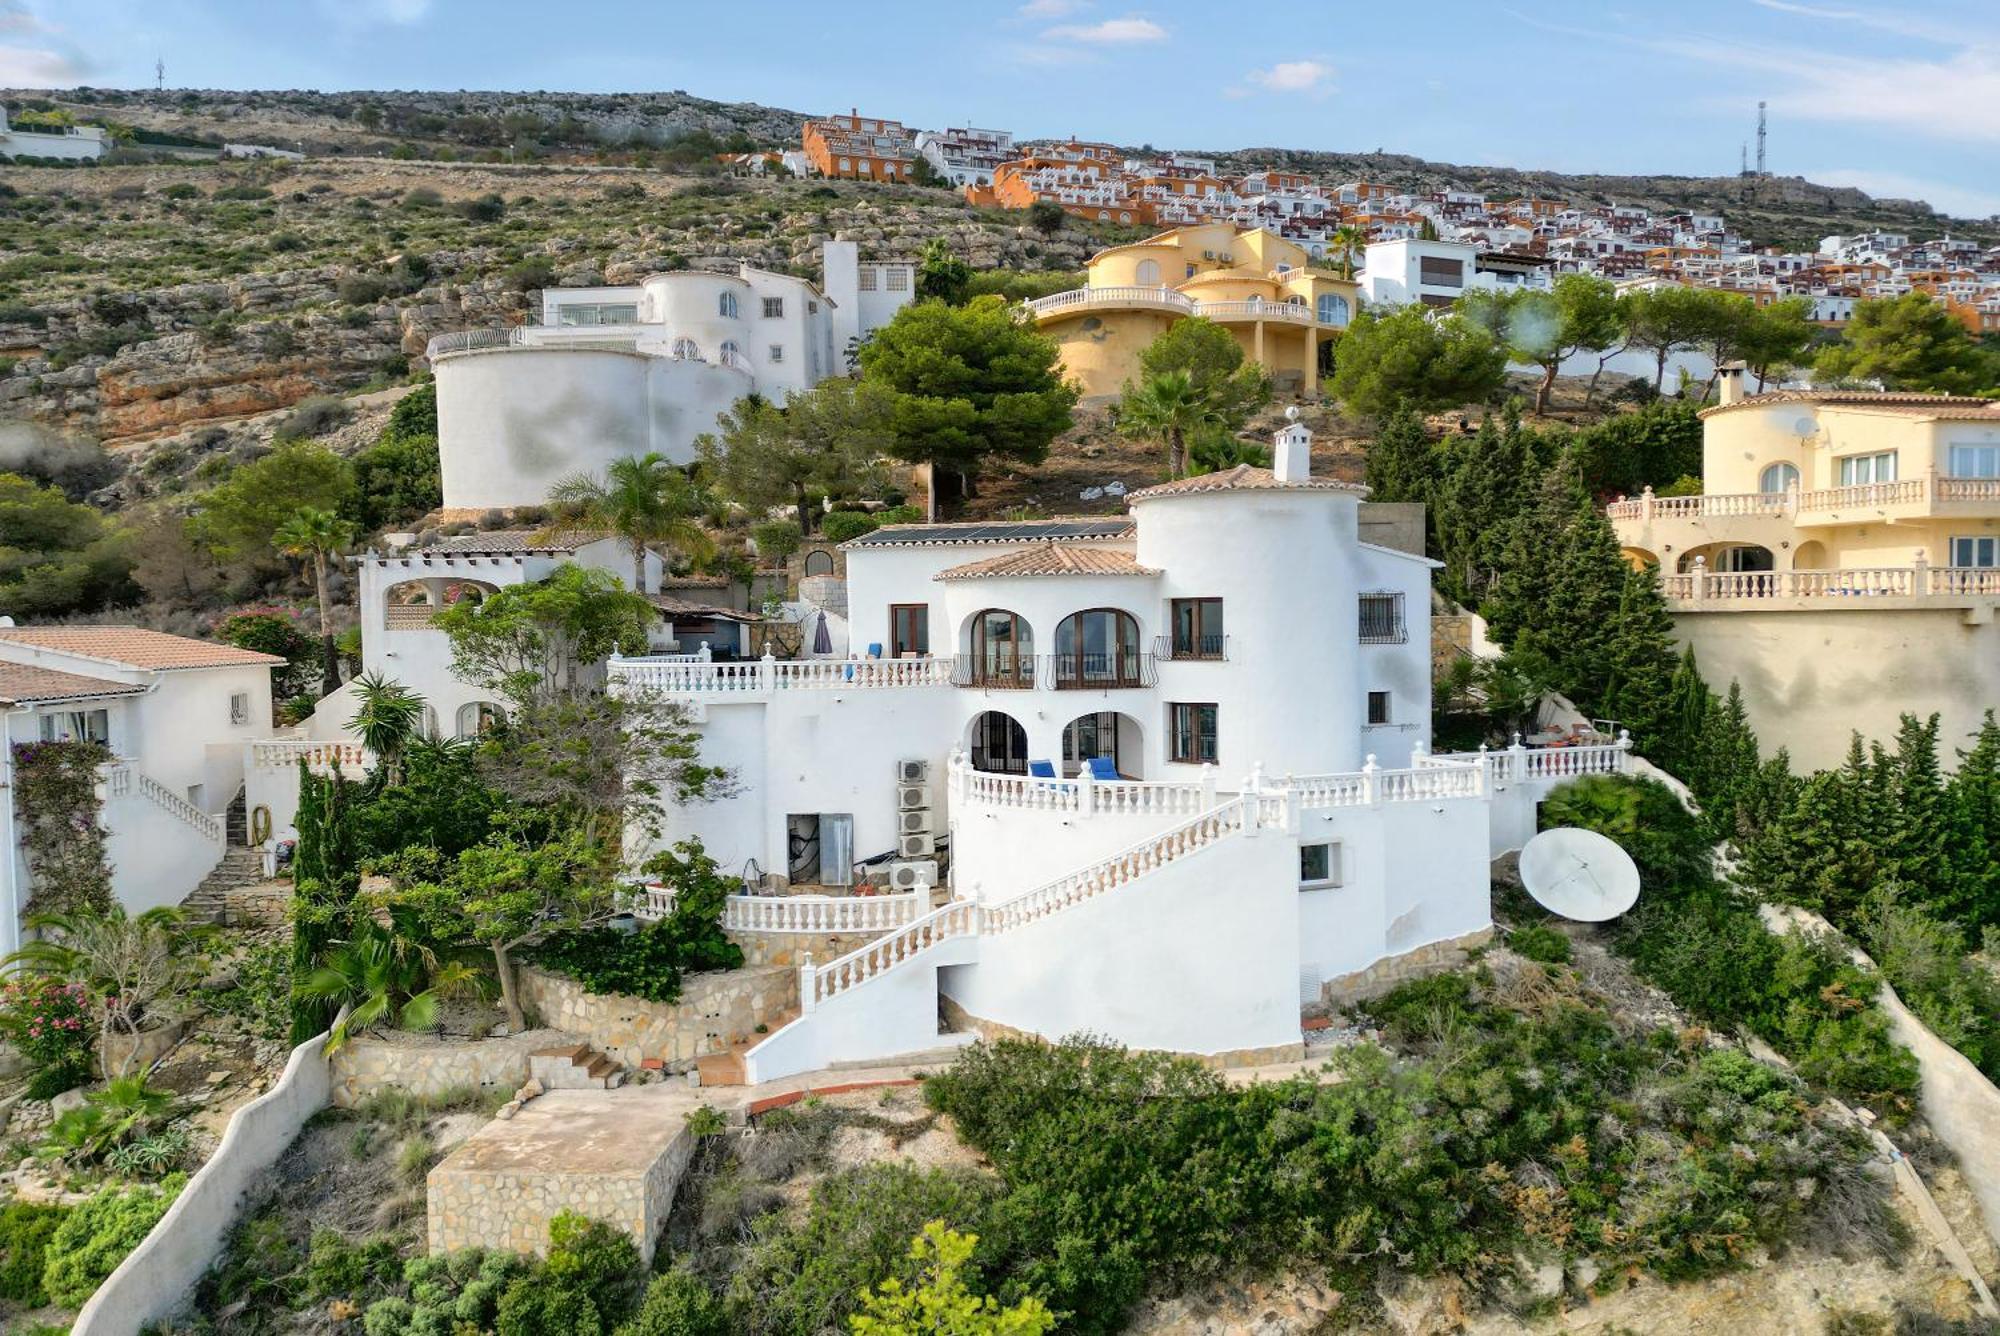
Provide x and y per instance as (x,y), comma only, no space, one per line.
(50,1023)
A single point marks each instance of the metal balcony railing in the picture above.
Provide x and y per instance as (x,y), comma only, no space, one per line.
(1191,649)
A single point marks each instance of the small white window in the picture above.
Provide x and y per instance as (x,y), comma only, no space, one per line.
(867,283)
(774,308)
(731,354)
(77,726)
(1147,275)
(726,306)
(1973,461)
(1320,866)
(686,350)
(812,307)
(1860,470)
(477,717)
(1779,477)
(1378,707)
(1978,550)
(846,166)
(777,352)
(239,707)
(897,280)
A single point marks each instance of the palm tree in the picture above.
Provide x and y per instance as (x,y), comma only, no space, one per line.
(320,535)
(383,978)
(1169,407)
(389,717)
(644,500)
(1348,239)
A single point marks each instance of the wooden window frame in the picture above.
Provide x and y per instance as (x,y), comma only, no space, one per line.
(1184,746)
(919,615)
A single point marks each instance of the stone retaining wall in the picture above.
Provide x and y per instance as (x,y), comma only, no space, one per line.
(1383,975)
(787,948)
(264,904)
(716,1011)
(363,1066)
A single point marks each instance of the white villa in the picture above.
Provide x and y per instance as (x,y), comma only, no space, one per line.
(1161,777)
(194,772)
(612,372)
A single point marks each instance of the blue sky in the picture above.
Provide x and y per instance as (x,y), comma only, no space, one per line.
(1898,97)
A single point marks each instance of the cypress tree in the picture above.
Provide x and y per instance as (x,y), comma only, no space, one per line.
(326,876)
(1917,819)
(1399,465)
(1973,843)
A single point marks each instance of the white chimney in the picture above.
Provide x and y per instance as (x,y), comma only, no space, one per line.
(1729,383)
(1291,452)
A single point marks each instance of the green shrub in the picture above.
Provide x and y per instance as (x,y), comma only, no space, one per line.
(806,1275)
(777,539)
(336,1268)
(93,1239)
(650,963)
(842,525)
(315,416)
(677,1303)
(361,289)
(1538,941)
(488,208)
(25,1231)
(588,1284)
(51,1025)
(530,274)
(1642,815)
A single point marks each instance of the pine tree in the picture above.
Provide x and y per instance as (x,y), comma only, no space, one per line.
(1690,706)
(1639,693)
(1918,822)
(1727,762)
(1486,483)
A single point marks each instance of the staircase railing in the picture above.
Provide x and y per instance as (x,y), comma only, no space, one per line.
(1130,864)
(822,983)
(181,809)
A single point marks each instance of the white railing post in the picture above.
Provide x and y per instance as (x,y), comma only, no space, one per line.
(767,672)
(1086,793)
(806,999)
(1253,790)
(1371,793)
(1920,574)
(1698,581)
(1207,785)
(1623,763)
(1517,760)
(1646,504)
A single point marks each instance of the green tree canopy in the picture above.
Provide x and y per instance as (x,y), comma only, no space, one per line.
(1232,385)
(971,385)
(942,275)
(1776,337)
(239,518)
(1167,407)
(1911,343)
(823,444)
(56,556)
(534,643)
(1407,357)
(645,501)
(1579,315)
(1666,320)
(1652,447)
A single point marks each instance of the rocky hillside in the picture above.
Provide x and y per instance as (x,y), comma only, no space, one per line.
(139,302)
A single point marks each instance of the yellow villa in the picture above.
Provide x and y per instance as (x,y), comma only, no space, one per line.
(1842,563)
(1252,282)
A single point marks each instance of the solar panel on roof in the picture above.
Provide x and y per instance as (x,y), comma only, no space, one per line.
(973,531)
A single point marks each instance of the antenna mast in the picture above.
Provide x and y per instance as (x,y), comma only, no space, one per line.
(1760,141)
(160,74)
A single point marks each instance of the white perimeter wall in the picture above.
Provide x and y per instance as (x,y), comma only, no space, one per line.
(156,1277)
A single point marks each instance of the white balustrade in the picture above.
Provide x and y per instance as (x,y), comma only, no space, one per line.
(820,983)
(211,828)
(285,753)
(1115,295)
(1081,794)
(1960,580)
(1701,586)
(680,675)
(1902,492)
(823,913)
(1968,489)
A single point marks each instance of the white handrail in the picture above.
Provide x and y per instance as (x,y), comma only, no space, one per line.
(181,809)
(822,913)
(1081,793)
(820,983)
(284,753)
(676,675)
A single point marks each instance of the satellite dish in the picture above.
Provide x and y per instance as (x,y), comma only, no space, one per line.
(1579,875)
(1805,426)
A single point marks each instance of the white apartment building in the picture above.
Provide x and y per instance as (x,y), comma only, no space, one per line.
(965,156)
(179,718)
(1160,776)
(614,372)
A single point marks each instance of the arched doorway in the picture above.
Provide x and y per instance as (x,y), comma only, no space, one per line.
(998,743)
(1098,647)
(1638,558)
(479,716)
(1736,558)
(1809,555)
(1105,733)
(819,561)
(1000,650)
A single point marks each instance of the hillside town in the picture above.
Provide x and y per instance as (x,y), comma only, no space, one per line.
(935,734)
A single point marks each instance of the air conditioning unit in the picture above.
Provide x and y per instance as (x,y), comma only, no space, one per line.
(909,797)
(914,823)
(909,876)
(920,845)
(913,772)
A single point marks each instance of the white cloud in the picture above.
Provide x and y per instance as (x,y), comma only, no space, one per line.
(1956,201)
(1954,98)
(1052,9)
(371,13)
(1295,76)
(1901,24)
(49,63)
(1127,31)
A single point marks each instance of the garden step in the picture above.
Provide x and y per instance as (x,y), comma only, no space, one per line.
(575,1067)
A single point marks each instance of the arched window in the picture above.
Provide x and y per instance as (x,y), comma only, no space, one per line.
(1148,273)
(1098,648)
(731,354)
(1779,477)
(686,350)
(999,743)
(1333,309)
(476,717)
(819,561)
(1003,650)
(725,306)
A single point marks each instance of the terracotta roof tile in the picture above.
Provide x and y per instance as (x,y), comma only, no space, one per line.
(132,647)
(1940,405)
(26,684)
(512,540)
(1244,478)
(1050,559)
